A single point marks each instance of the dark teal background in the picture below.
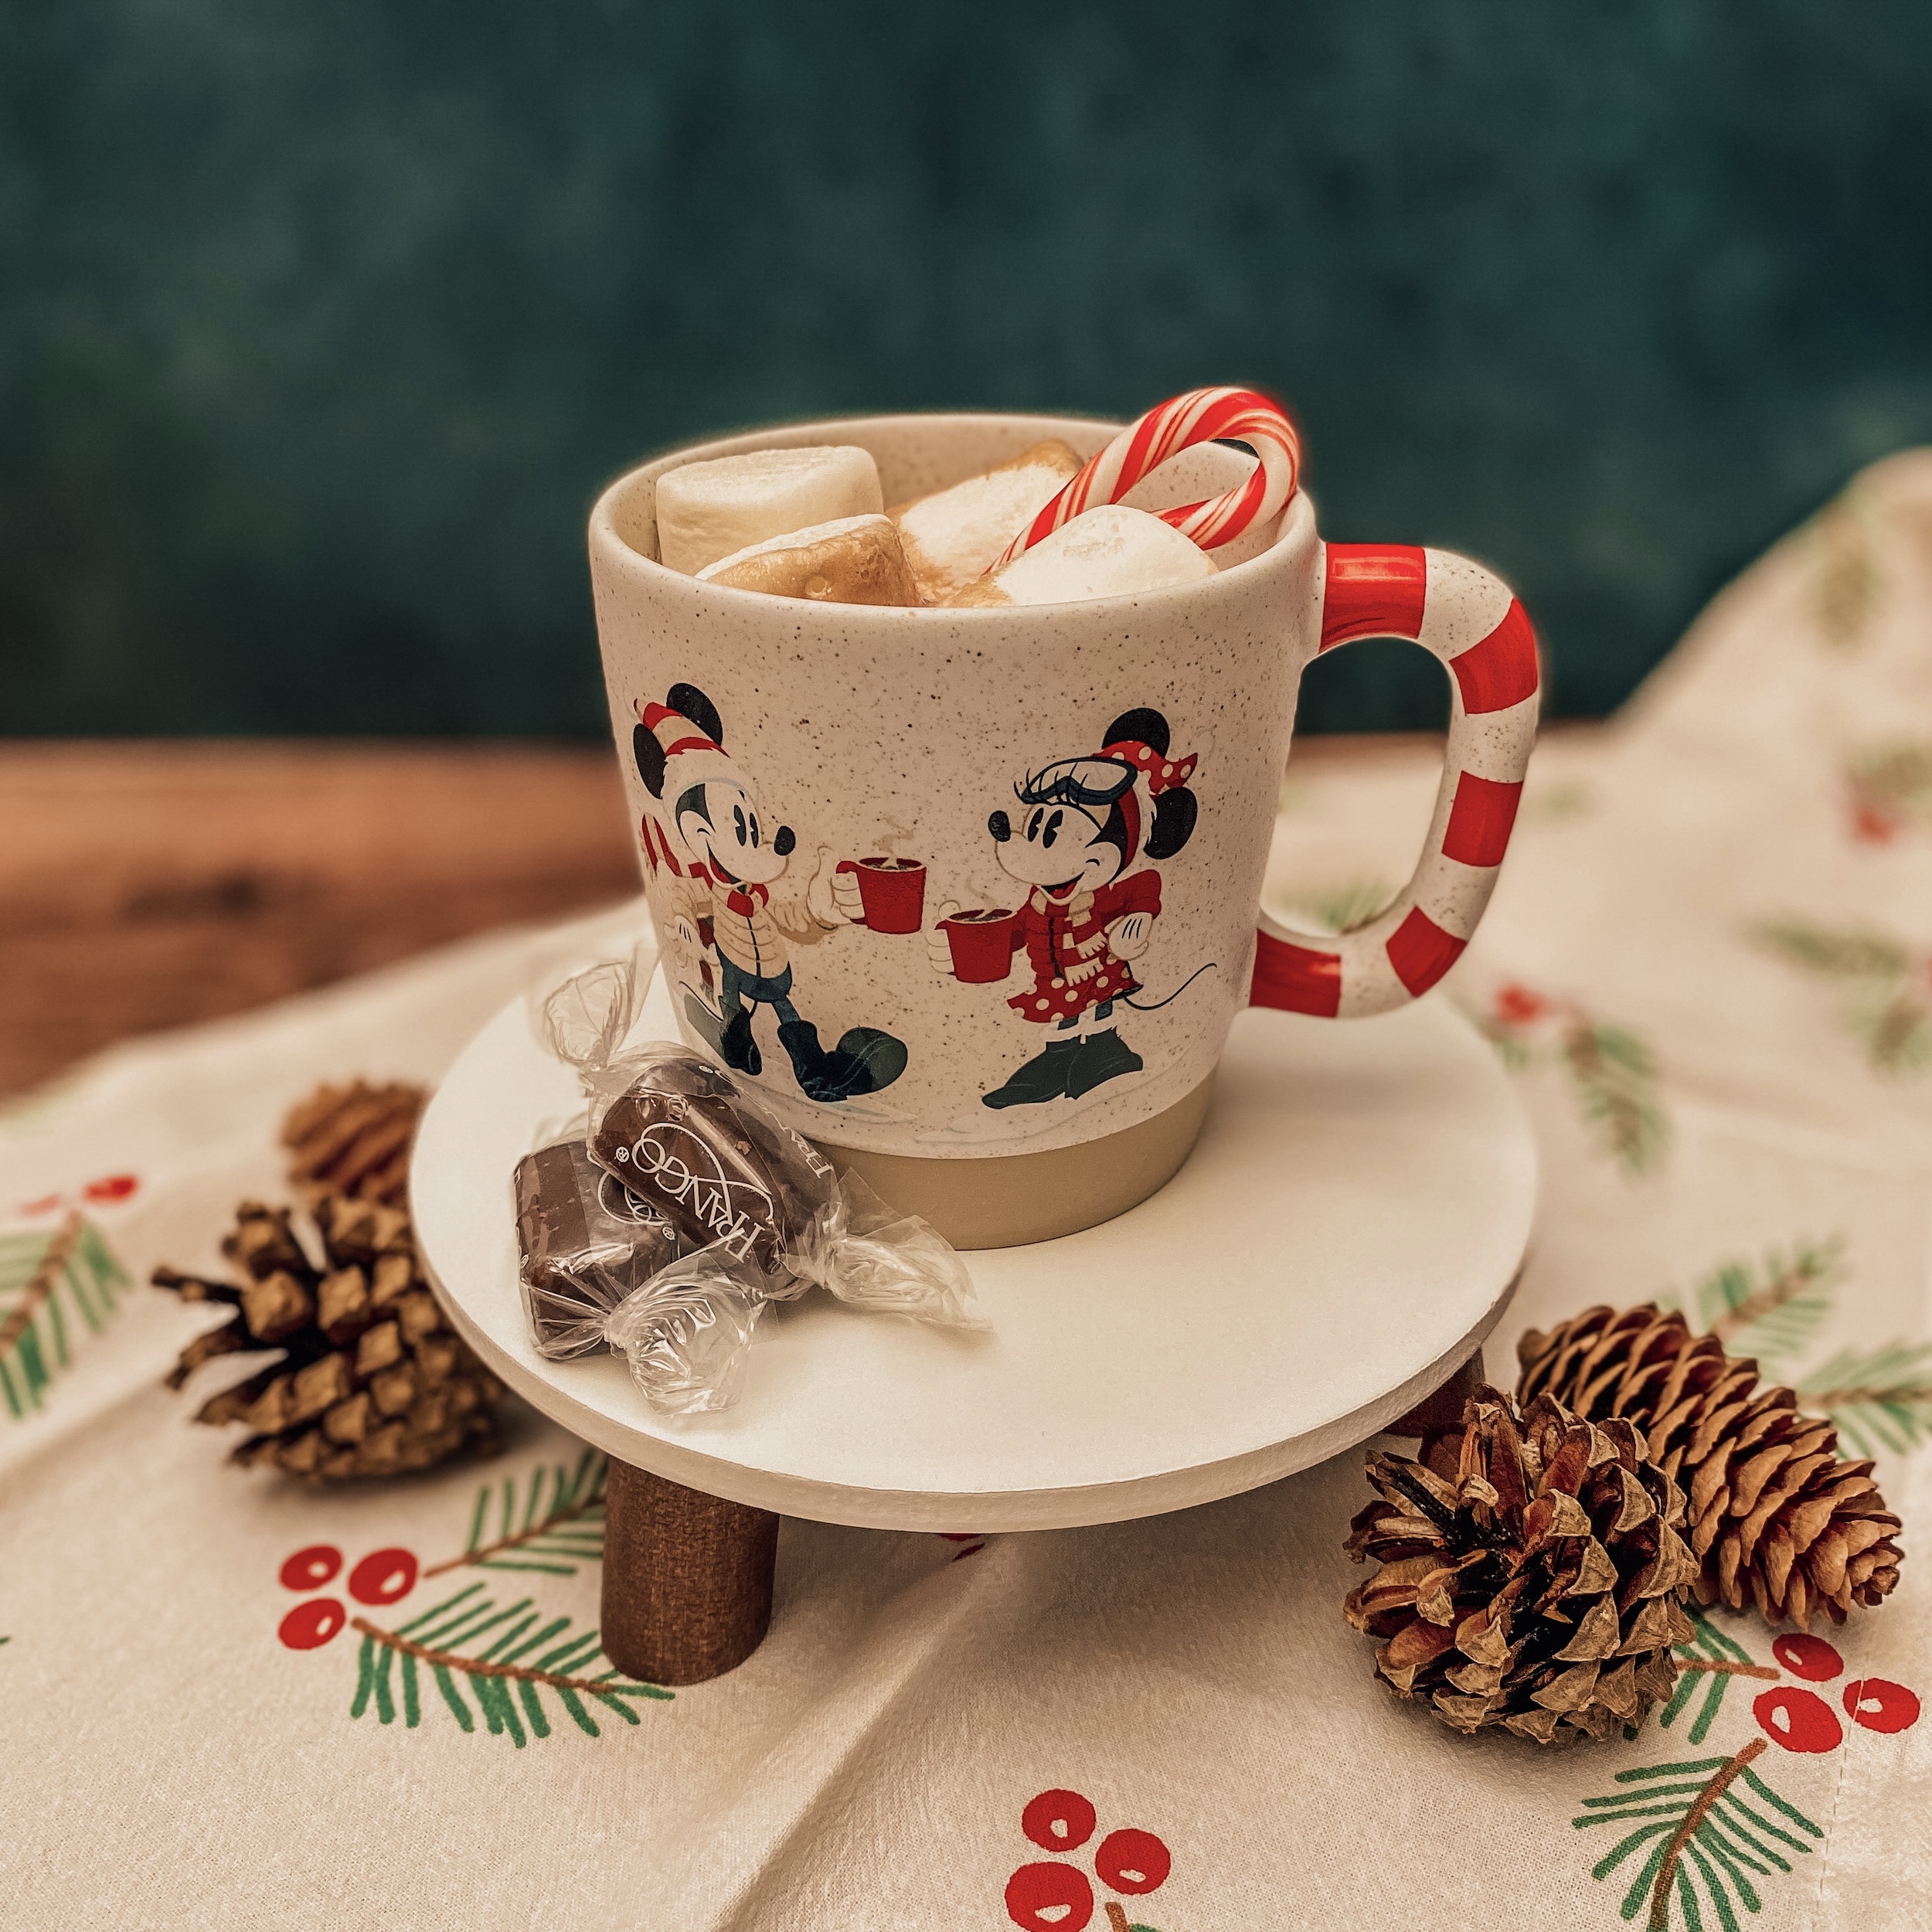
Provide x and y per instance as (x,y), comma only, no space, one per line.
(321,325)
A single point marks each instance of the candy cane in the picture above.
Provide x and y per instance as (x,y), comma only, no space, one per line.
(1202,416)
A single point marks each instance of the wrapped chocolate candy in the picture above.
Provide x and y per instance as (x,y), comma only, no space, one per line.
(773,1216)
(764,1211)
(584,1242)
(721,1170)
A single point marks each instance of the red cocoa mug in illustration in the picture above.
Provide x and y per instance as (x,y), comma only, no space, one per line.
(892,892)
(1109,768)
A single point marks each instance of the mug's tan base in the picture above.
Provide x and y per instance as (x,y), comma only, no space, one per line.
(1008,1200)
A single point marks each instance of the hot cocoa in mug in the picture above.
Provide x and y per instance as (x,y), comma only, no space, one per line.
(1095,781)
(891,891)
(979,946)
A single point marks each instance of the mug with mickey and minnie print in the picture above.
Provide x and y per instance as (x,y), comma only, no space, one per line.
(972,895)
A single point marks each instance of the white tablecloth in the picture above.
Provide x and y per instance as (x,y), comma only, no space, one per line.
(1708,961)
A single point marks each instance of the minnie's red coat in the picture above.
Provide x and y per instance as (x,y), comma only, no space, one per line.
(1054,933)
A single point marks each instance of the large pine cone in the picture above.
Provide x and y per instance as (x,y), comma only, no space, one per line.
(354,1140)
(1776,1518)
(1532,1574)
(371,1381)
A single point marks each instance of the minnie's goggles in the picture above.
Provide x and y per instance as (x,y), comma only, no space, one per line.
(1077,781)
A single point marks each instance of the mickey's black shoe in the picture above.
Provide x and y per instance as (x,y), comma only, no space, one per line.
(1102,1057)
(864,1060)
(739,1049)
(1043,1078)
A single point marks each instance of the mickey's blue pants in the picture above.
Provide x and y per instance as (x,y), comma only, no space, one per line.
(740,988)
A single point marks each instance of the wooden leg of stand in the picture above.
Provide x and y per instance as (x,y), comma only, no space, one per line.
(1445,1408)
(687,1579)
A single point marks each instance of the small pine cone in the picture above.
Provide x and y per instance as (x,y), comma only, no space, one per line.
(354,1141)
(1776,1518)
(370,1381)
(1532,1574)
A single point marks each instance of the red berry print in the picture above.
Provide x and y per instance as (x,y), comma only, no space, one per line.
(1050,1894)
(1810,1657)
(111,1187)
(1871,826)
(309,1626)
(309,1568)
(1061,1820)
(1519,1006)
(1132,1861)
(1799,1720)
(1880,1705)
(383,1577)
(1049,1898)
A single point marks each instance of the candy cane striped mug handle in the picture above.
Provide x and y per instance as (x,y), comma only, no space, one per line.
(1469,618)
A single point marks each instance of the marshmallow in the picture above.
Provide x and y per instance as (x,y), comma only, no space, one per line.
(706,511)
(1107,552)
(854,559)
(952,536)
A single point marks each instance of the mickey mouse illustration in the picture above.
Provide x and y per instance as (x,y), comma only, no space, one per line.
(1081,825)
(731,892)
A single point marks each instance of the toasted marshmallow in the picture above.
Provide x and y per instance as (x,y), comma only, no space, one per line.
(953,534)
(1108,551)
(707,511)
(854,560)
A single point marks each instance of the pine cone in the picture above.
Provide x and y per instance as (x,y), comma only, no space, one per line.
(354,1140)
(1775,1517)
(370,1381)
(1532,1574)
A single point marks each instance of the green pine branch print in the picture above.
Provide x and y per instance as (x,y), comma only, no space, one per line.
(1616,1078)
(558,1529)
(1845,582)
(1885,989)
(1881,1399)
(1772,1312)
(1710,1824)
(512,1671)
(1613,1072)
(48,1283)
(1891,787)
(1709,1662)
(1340,909)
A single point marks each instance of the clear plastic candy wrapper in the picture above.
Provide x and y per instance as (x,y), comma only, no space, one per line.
(767,1215)
(584,1242)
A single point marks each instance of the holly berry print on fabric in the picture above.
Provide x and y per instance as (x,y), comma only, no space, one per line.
(1055,1894)
(1613,1072)
(1715,1829)
(509,1661)
(1711,1824)
(1889,790)
(1342,907)
(1770,1310)
(1879,1398)
(1846,585)
(558,1527)
(1885,986)
(105,1190)
(54,1288)
(526,1653)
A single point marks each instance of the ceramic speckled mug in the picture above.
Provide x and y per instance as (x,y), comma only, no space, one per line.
(846,812)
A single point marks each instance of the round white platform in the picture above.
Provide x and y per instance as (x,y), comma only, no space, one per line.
(1347,1230)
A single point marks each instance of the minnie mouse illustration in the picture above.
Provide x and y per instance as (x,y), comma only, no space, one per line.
(1081,826)
(730,896)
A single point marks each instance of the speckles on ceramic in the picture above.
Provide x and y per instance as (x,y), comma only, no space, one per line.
(875,730)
